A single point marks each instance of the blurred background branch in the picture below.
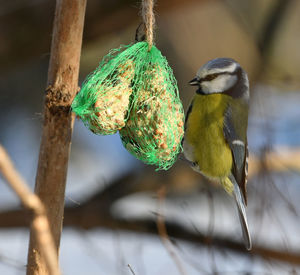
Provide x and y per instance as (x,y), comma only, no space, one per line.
(96,211)
(31,202)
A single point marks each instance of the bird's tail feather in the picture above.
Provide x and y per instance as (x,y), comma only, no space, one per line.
(242,214)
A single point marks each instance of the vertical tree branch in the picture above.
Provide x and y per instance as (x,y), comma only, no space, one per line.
(58,121)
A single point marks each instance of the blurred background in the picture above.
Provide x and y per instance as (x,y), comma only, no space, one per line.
(112,199)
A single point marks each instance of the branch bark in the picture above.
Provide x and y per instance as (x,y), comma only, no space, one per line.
(58,121)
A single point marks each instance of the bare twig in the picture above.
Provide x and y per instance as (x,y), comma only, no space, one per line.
(58,121)
(162,231)
(131,270)
(40,224)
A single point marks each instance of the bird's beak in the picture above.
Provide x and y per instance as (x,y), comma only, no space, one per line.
(194,82)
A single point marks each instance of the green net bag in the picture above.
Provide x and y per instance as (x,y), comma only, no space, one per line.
(133,90)
(154,128)
(104,99)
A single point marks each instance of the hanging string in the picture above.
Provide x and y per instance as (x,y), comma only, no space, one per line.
(149,20)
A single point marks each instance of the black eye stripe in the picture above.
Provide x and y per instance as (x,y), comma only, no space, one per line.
(213,76)
(210,77)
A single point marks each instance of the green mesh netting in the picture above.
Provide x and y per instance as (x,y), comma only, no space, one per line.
(134,91)
(103,101)
(154,129)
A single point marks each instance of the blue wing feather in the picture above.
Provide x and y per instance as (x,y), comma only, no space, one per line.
(235,132)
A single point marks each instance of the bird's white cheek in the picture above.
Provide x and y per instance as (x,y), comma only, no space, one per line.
(219,84)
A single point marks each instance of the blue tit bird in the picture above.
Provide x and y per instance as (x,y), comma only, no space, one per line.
(215,139)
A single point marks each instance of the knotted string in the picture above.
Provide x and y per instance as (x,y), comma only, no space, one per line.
(149,20)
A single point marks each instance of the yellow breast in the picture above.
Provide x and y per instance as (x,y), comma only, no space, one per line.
(204,134)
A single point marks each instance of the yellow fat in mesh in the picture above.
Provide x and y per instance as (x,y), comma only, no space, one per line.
(154,128)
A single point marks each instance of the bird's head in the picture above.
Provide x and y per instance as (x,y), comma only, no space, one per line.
(222,75)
